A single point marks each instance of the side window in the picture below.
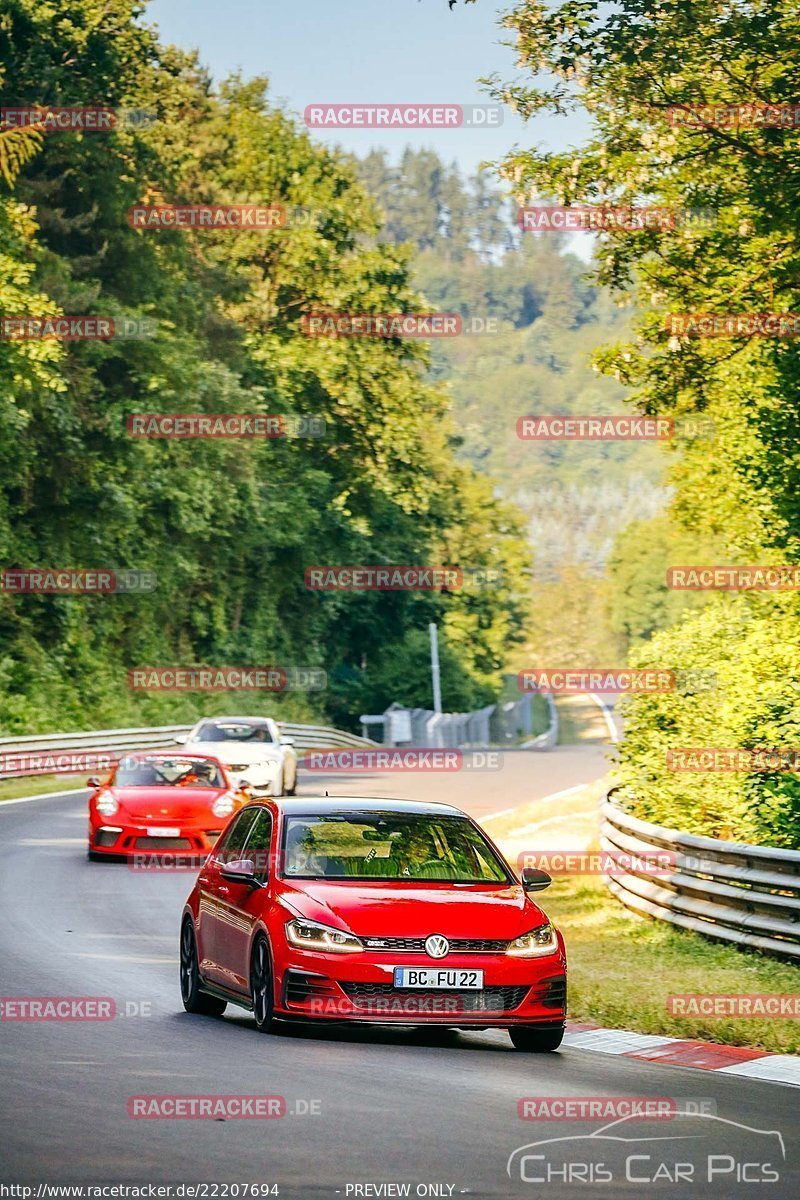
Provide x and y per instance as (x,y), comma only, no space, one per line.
(230,844)
(258,845)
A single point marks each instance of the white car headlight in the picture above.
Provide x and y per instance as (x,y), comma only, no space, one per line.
(310,935)
(539,941)
(107,805)
(223,806)
(256,770)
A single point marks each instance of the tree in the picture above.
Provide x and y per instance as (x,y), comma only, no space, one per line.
(633,66)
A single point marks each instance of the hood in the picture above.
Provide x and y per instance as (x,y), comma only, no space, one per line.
(406,910)
(238,752)
(164,803)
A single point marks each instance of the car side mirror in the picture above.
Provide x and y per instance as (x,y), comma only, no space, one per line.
(93,781)
(534,880)
(286,741)
(179,741)
(241,870)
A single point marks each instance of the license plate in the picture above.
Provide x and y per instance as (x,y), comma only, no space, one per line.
(163,831)
(433,978)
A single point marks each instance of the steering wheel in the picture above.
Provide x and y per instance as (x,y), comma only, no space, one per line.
(439,863)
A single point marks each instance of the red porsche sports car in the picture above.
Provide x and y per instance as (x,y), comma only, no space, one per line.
(161,801)
(371,910)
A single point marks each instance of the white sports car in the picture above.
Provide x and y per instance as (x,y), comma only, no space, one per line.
(251,748)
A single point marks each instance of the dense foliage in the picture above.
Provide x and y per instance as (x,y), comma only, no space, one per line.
(545,317)
(627,65)
(228,527)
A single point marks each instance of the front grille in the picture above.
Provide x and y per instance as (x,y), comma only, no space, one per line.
(416,945)
(499,999)
(162,843)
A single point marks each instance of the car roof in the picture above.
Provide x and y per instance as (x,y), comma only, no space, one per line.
(309,806)
(177,753)
(235,721)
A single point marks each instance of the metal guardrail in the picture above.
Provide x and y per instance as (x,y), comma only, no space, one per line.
(49,753)
(729,891)
(494,725)
(549,739)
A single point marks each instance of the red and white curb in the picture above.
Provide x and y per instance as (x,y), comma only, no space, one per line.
(677,1052)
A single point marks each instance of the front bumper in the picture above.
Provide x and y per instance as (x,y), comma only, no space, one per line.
(359,987)
(134,841)
(263,779)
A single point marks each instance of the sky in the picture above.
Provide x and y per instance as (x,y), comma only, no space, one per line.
(368,51)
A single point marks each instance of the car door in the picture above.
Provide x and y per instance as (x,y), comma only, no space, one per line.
(214,891)
(241,906)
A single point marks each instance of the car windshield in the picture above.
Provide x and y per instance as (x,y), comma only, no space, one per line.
(168,772)
(232,731)
(389,845)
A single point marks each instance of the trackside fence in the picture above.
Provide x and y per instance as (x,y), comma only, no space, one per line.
(507,724)
(729,891)
(31,756)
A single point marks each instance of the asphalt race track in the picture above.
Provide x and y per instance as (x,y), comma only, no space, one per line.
(364,1106)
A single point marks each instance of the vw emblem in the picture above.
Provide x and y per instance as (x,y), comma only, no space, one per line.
(437,946)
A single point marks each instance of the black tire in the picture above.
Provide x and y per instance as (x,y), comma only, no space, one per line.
(195,1001)
(536,1041)
(262,989)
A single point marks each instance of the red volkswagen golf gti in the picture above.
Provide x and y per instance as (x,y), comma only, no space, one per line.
(371,910)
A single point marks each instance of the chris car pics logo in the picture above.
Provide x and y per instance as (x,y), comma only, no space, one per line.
(697,1149)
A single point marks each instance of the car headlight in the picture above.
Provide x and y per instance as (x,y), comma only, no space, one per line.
(106,805)
(539,941)
(223,806)
(310,935)
(255,770)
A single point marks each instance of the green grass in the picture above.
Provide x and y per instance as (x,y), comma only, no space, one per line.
(10,789)
(623,967)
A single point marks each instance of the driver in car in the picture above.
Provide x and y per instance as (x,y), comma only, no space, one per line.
(418,857)
(200,774)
